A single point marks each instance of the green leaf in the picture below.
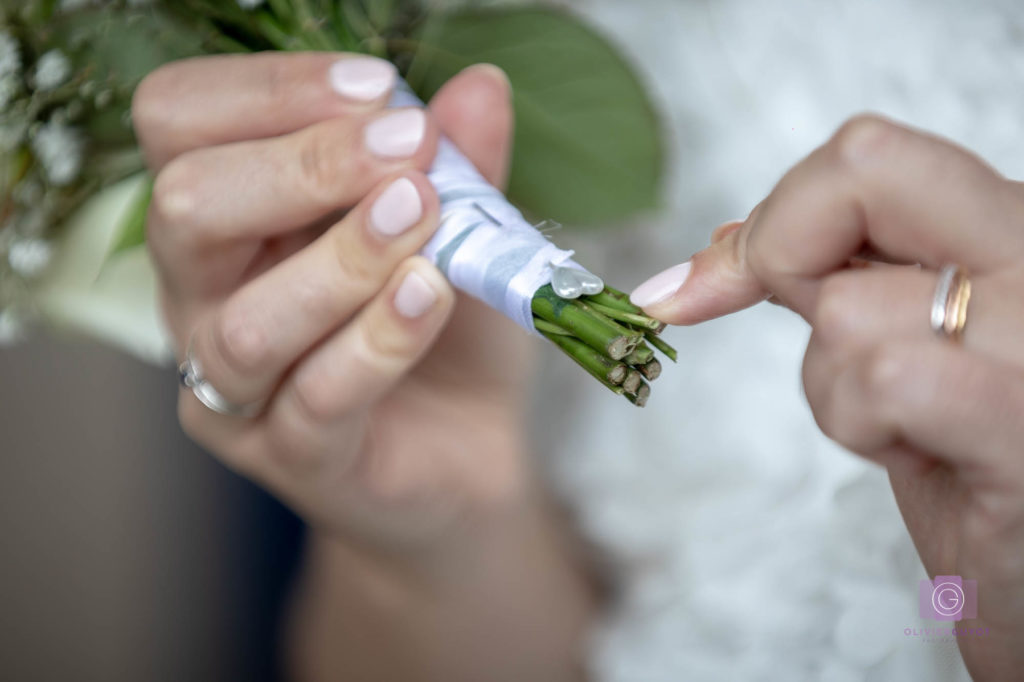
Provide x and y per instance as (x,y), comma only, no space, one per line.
(132,231)
(588,145)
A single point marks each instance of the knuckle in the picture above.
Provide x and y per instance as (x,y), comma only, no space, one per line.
(279,82)
(355,268)
(384,350)
(882,373)
(175,200)
(240,345)
(316,397)
(321,166)
(862,137)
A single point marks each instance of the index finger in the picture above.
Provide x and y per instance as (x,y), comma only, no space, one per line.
(207,101)
(875,185)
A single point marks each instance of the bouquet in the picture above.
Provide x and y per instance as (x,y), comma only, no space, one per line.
(68,69)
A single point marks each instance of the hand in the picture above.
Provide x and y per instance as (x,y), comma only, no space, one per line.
(288,207)
(851,239)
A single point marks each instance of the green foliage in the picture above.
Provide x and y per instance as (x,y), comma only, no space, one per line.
(588,144)
(132,231)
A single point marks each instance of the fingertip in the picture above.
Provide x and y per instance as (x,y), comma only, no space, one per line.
(652,294)
(707,286)
(474,109)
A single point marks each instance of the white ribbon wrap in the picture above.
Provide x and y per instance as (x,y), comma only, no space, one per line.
(483,245)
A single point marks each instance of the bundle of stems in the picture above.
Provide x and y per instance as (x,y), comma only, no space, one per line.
(606,335)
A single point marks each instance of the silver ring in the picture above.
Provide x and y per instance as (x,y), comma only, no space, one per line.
(190,374)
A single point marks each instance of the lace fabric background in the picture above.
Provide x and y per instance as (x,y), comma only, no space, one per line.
(748,546)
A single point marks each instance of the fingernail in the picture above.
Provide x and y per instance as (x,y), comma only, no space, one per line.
(661,286)
(361,78)
(414,297)
(398,208)
(397,134)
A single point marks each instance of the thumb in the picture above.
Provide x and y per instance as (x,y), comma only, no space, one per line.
(474,109)
(714,282)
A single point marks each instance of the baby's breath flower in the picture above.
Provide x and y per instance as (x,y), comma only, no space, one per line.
(10,55)
(52,70)
(59,149)
(10,69)
(29,257)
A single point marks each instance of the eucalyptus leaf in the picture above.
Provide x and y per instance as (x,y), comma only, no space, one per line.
(588,145)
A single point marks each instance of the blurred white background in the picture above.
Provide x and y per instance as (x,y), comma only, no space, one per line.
(750,547)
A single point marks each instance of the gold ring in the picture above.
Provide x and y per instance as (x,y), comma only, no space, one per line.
(949,306)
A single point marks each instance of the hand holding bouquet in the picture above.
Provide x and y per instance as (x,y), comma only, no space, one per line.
(504,261)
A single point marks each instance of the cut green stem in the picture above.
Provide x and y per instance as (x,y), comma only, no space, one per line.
(651,370)
(642,394)
(641,355)
(589,326)
(632,382)
(608,372)
(662,346)
(613,298)
(638,320)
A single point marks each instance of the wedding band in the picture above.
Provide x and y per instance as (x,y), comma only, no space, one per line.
(949,306)
(190,374)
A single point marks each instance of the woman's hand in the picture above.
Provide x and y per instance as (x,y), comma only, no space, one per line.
(288,208)
(851,239)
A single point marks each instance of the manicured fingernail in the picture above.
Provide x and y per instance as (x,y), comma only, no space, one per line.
(397,134)
(361,78)
(398,208)
(661,286)
(414,297)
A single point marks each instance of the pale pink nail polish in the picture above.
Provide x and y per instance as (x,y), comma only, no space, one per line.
(398,208)
(361,78)
(661,286)
(414,296)
(397,134)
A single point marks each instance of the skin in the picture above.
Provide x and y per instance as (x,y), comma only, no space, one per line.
(852,239)
(399,440)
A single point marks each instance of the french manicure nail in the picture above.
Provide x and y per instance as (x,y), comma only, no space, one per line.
(398,208)
(661,286)
(414,296)
(397,134)
(361,78)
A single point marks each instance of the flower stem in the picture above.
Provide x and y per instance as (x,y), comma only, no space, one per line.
(607,371)
(589,326)
(661,345)
(641,355)
(627,317)
(651,370)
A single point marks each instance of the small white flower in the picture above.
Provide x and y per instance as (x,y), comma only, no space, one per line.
(59,148)
(29,257)
(249,4)
(10,55)
(10,69)
(52,70)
